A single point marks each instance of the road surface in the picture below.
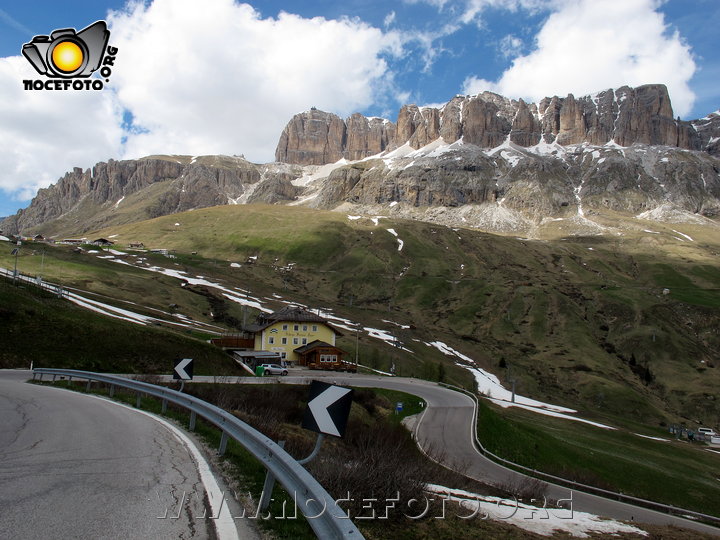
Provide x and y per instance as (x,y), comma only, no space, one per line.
(77,466)
(446,429)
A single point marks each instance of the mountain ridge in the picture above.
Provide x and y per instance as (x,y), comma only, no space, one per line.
(625,115)
(428,161)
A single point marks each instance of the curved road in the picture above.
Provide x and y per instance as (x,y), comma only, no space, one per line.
(76,466)
(446,429)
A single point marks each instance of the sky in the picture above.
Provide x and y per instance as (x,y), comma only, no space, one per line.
(224,77)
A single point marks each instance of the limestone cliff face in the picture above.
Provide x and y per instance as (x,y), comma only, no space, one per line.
(626,115)
(312,138)
(104,182)
(708,131)
(525,129)
(316,138)
(366,136)
(537,186)
(152,186)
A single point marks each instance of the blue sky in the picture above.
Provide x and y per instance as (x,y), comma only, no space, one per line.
(222,77)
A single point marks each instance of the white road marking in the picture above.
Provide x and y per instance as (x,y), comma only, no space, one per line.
(223,520)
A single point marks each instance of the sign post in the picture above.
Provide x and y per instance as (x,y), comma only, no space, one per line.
(327,413)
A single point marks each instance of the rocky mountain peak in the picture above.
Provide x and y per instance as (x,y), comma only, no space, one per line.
(482,161)
(312,138)
(626,116)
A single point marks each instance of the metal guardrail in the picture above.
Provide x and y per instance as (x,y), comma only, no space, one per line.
(326,518)
(651,505)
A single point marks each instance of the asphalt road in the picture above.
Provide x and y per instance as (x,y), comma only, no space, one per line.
(76,466)
(445,431)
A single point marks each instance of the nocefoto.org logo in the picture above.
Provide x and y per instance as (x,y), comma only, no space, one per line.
(68,58)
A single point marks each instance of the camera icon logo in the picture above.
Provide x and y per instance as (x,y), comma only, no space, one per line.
(66,53)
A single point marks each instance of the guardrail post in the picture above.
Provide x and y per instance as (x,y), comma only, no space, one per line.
(223,444)
(54,377)
(112,390)
(137,400)
(268,486)
(164,406)
(193,417)
(87,386)
(69,380)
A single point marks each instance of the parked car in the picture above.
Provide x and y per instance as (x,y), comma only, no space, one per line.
(274,369)
(708,432)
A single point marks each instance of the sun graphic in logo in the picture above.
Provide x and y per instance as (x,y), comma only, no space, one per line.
(67,56)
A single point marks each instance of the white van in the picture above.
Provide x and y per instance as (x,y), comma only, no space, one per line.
(708,432)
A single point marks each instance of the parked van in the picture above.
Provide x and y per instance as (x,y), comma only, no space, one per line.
(707,432)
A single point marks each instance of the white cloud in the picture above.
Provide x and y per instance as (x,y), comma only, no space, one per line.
(45,133)
(218,78)
(474,8)
(427,43)
(198,78)
(510,46)
(437,3)
(588,45)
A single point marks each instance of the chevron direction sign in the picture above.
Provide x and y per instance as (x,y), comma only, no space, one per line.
(328,408)
(183,369)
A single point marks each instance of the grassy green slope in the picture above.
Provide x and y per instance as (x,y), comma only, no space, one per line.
(579,321)
(39,327)
(617,460)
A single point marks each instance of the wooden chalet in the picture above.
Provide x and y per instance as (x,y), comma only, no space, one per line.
(320,355)
(103,242)
(234,341)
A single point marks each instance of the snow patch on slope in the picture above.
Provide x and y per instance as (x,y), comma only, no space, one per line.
(490,385)
(542,521)
(669,213)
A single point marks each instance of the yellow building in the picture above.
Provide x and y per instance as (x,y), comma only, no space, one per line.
(290,328)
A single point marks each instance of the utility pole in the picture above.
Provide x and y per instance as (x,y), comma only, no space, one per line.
(15,252)
(357,343)
(512,380)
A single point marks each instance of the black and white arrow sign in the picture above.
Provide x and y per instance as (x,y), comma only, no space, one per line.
(183,369)
(328,408)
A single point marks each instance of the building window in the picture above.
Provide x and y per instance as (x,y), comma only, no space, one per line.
(271,340)
(296,327)
(284,341)
(304,341)
(283,355)
(285,327)
(295,341)
(314,327)
(328,357)
(304,327)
